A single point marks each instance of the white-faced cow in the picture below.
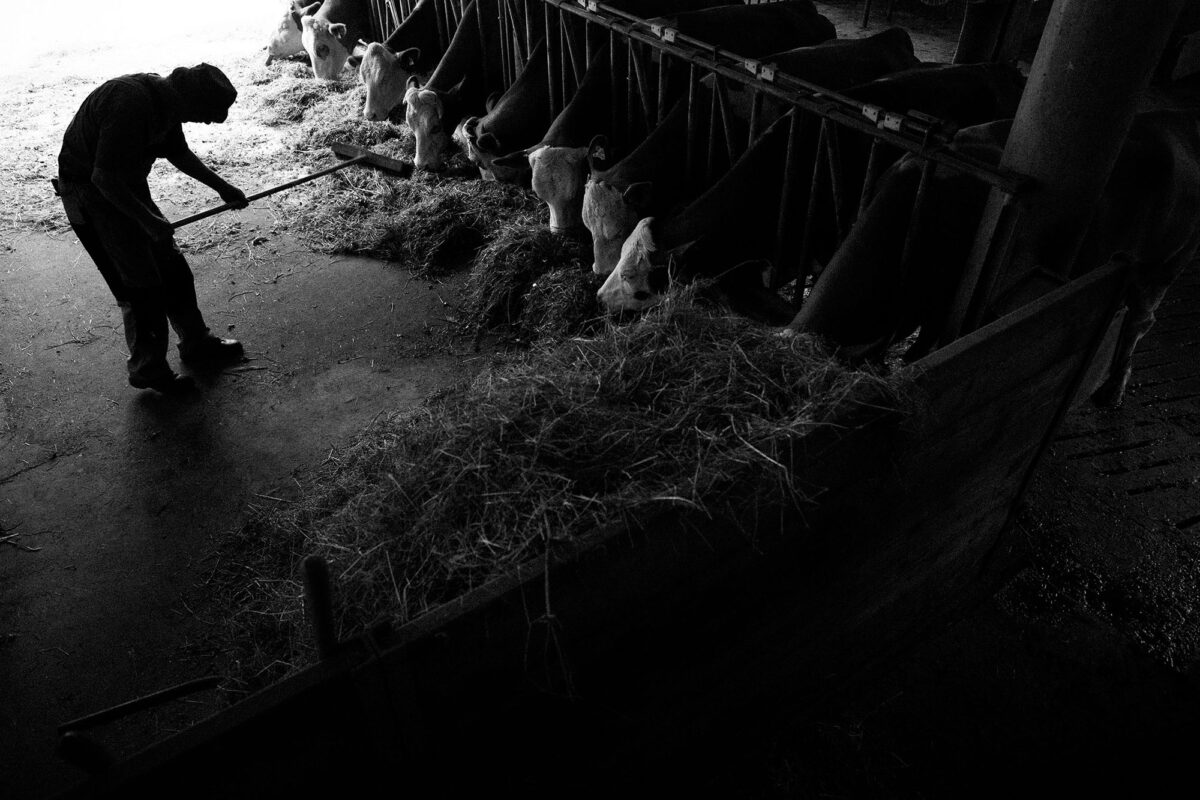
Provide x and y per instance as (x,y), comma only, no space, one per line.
(412,50)
(1149,211)
(332,33)
(458,86)
(650,180)
(285,39)
(970,94)
(726,232)
(558,163)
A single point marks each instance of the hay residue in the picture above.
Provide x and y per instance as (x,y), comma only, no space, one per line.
(685,408)
(534,280)
(429,224)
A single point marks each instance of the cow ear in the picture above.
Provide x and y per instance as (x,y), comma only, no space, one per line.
(408,58)
(492,99)
(468,128)
(487,142)
(597,154)
(338,30)
(638,195)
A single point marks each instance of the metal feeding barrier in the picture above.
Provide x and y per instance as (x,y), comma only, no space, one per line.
(821,191)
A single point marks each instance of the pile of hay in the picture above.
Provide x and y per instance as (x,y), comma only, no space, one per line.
(535,281)
(426,223)
(686,407)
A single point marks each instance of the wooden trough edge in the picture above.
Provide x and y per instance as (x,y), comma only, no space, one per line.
(579,673)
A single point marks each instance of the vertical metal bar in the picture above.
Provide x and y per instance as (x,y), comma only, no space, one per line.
(571,53)
(529,24)
(810,214)
(691,120)
(643,82)
(833,152)
(756,102)
(506,76)
(663,68)
(726,118)
(551,47)
(868,187)
(989,258)
(612,81)
(630,88)
(710,165)
(783,223)
(915,222)
(479,15)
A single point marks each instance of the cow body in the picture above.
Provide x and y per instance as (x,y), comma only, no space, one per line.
(1148,212)
(413,49)
(727,231)
(331,34)
(558,162)
(754,30)
(285,39)
(458,85)
(515,121)
(657,167)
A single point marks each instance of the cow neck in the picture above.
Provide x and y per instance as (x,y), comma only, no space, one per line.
(752,186)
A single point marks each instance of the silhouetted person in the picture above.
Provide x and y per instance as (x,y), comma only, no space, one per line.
(112,142)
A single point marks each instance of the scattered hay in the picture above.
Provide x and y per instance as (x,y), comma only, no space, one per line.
(431,225)
(532,278)
(295,95)
(686,407)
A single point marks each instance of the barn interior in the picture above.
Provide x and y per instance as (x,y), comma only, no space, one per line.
(939,569)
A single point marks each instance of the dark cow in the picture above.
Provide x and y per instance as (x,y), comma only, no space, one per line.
(650,180)
(558,163)
(517,114)
(458,86)
(754,30)
(518,119)
(412,50)
(331,34)
(971,94)
(726,232)
(285,39)
(1149,212)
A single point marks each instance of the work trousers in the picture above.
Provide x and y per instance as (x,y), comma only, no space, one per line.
(151,281)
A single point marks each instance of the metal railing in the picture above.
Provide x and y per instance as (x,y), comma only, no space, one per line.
(820,189)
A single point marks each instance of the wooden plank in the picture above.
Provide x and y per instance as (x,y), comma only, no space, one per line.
(640,637)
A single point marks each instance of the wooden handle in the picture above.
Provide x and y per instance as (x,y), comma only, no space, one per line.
(267,192)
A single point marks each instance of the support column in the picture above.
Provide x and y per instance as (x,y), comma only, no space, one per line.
(1094,60)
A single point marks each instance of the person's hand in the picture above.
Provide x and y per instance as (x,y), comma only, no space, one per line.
(159,229)
(235,197)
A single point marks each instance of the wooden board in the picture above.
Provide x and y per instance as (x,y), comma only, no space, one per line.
(623,647)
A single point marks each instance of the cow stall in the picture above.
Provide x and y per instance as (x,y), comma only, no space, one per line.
(607,659)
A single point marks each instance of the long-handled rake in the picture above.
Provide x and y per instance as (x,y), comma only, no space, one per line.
(354,155)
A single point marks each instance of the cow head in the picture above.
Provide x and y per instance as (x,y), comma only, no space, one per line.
(385,75)
(610,215)
(323,42)
(466,136)
(641,275)
(423,112)
(285,39)
(558,181)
